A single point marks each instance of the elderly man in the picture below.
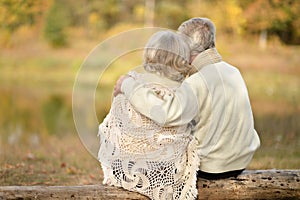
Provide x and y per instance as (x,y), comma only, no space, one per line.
(214,99)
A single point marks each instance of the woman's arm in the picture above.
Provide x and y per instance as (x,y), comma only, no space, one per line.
(174,109)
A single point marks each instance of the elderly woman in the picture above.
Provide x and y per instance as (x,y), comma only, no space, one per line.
(139,154)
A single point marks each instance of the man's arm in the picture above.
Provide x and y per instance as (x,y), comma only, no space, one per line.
(175,109)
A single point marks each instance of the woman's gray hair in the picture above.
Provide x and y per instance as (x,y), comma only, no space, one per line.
(202,33)
(168,54)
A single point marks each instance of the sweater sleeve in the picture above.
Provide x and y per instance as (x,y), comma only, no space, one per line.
(175,109)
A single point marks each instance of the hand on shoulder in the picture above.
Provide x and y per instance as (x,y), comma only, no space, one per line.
(117,88)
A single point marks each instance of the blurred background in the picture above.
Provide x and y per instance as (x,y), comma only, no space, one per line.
(44,43)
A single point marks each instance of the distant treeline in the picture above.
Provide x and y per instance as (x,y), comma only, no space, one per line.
(279,18)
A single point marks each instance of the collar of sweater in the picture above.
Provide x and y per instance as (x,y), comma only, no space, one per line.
(207,57)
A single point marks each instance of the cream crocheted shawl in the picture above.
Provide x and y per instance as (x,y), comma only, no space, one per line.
(140,155)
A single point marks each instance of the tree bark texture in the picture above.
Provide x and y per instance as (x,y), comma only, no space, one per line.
(259,184)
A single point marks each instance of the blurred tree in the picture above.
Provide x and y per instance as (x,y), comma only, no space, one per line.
(94,15)
(16,13)
(57,20)
(170,14)
(227,15)
(95,24)
(139,13)
(281,18)
(78,11)
(149,9)
(275,17)
(109,11)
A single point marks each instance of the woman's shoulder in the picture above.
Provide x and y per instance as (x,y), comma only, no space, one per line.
(156,79)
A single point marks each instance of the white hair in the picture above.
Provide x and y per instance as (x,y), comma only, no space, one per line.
(168,54)
(202,33)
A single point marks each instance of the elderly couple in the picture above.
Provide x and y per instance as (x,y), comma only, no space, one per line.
(187,116)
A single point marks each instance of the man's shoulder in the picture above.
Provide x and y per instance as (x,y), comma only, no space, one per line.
(194,77)
(227,67)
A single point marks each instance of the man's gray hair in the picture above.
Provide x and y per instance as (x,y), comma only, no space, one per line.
(201,32)
(167,53)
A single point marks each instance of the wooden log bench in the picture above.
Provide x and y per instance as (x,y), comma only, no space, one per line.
(259,184)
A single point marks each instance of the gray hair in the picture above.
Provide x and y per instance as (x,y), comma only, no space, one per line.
(202,33)
(168,54)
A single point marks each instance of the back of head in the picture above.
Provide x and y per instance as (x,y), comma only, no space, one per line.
(167,54)
(201,32)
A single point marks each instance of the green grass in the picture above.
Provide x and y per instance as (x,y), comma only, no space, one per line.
(38,141)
